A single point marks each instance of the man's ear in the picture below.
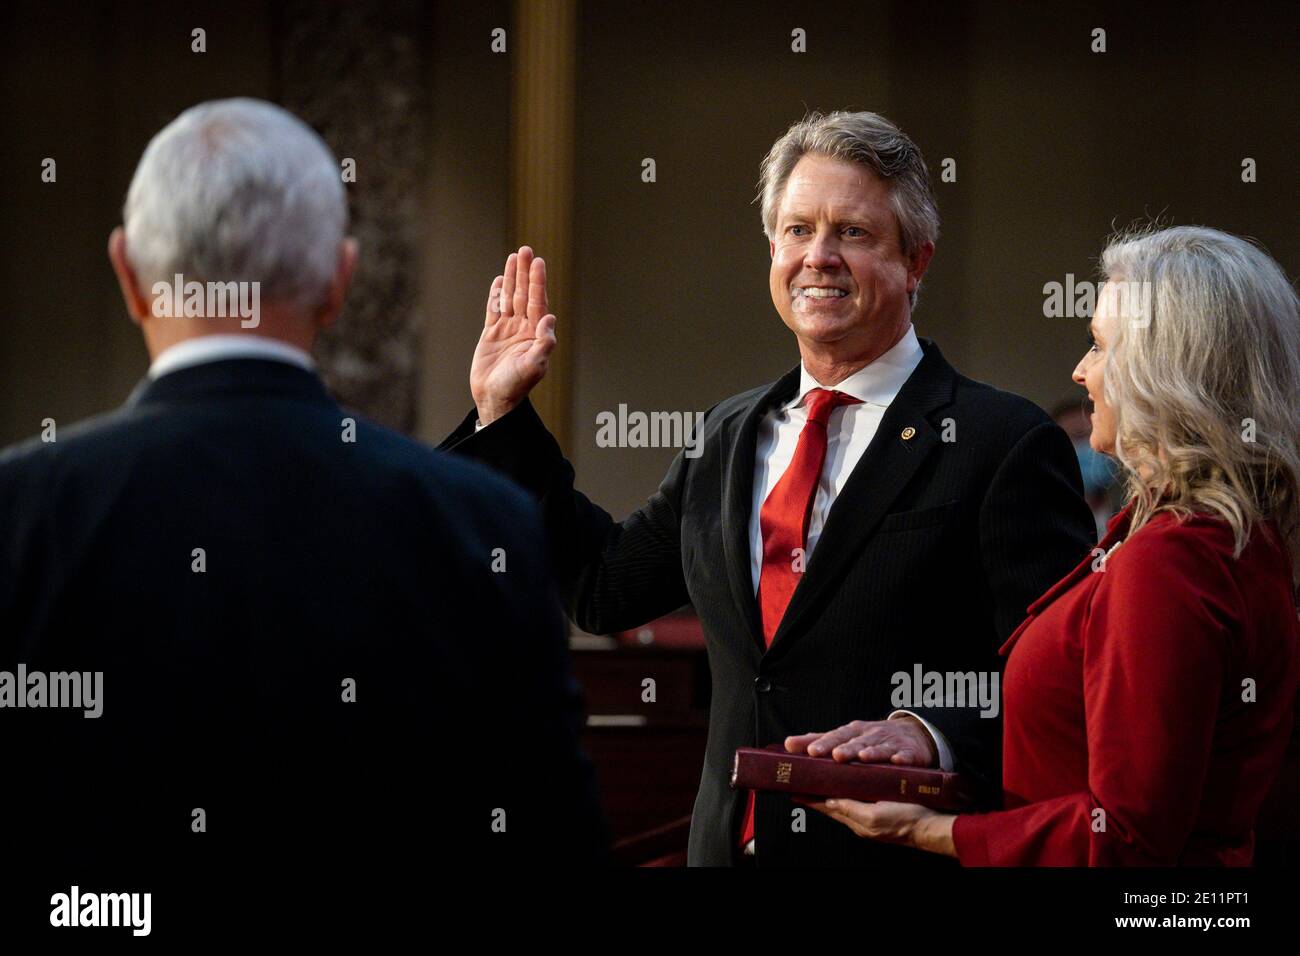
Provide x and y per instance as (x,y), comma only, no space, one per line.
(771,248)
(137,306)
(918,263)
(347,262)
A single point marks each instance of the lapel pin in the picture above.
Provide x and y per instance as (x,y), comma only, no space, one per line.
(908,433)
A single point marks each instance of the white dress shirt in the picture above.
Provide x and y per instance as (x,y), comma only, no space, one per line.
(218,348)
(848,433)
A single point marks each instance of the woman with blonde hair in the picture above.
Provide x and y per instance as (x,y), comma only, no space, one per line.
(1148,696)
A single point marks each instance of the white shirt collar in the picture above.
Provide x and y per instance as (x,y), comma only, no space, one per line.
(877,383)
(218,348)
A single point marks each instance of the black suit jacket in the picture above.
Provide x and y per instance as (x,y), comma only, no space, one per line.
(326,561)
(929,556)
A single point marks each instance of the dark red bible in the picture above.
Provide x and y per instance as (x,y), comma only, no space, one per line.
(771,768)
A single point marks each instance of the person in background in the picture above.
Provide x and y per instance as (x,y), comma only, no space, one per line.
(1101,487)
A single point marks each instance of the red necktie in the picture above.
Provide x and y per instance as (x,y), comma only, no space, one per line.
(784,523)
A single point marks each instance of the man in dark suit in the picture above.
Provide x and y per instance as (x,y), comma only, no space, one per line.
(287,615)
(869,513)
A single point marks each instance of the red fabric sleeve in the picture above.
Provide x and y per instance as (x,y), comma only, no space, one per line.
(1156,649)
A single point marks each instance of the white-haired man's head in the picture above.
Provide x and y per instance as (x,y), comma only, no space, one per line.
(236,191)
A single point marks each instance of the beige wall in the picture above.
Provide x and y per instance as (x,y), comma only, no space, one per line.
(467,203)
(1054,144)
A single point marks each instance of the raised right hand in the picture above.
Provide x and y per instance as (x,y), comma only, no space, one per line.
(518,336)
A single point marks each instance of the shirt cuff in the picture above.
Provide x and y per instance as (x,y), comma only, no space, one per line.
(946,761)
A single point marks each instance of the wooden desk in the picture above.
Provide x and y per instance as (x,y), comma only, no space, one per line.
(648,754)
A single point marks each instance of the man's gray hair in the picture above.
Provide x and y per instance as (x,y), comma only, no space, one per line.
(238,190)
(869,140)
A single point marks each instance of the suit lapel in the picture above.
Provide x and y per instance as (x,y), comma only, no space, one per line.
(885,469)
(738,501)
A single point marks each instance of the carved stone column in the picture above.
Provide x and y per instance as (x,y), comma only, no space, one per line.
(357,73)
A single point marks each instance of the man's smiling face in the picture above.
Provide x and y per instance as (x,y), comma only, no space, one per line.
(839,277)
